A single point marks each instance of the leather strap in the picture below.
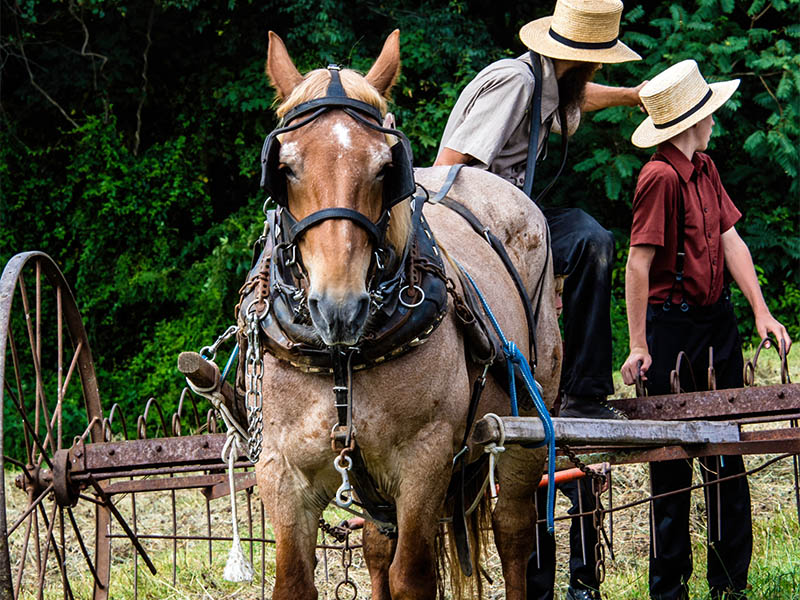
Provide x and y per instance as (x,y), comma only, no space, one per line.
(448,183)
(498,247)
(299,227)
(460,533)
(536,118)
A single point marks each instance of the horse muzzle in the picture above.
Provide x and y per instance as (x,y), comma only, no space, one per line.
(339,321)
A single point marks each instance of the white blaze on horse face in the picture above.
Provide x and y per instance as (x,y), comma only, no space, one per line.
(342,135)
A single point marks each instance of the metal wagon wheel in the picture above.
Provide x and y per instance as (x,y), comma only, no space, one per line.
(43,351)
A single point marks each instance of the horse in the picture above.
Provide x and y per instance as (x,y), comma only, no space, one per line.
(338,172)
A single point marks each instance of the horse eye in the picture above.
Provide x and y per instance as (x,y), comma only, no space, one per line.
(384,170)
(284,168)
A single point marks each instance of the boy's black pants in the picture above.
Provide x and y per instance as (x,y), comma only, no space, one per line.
(730,535)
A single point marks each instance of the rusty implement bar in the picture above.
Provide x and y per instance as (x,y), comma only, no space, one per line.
(770,400)
(125,458)
(213,486)
(523,430)
(619,456)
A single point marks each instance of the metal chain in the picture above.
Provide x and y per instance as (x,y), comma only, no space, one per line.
(598,481)
(253,398)
(337,532)
(347,561)
(597,521)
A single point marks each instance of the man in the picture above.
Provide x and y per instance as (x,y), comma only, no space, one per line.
(682,241)
(491,127)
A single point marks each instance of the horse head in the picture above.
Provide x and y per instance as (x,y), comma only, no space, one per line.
(341,179)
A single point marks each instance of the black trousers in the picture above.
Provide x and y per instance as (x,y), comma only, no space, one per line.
(730,534)
(584,251)
(541,572)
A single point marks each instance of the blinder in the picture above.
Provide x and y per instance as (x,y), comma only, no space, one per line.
(398,180)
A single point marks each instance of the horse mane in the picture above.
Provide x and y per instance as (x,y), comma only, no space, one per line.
(315,85)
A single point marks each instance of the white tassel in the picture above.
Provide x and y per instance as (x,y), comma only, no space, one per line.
(238,568)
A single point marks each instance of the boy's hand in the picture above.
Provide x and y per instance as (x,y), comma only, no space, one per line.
(631,369)
(766,324)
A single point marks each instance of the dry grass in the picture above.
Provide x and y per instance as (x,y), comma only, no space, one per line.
(774,574)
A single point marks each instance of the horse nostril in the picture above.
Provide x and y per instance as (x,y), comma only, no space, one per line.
(313,304)
(339,322)
(362,309)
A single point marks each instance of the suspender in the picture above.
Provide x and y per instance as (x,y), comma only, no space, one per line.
(536,119)
(535,112)
(680,255)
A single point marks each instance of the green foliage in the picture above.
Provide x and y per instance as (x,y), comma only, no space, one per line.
(131,131)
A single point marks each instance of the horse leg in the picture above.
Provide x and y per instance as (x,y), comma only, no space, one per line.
(378,552)
(295,519)
(514,517)
(423,485)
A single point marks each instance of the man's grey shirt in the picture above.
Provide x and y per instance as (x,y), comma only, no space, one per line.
(491,120)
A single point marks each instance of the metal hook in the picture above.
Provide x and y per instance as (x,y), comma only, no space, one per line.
(344,496)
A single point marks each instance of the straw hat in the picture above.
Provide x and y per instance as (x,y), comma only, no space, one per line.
(586,30)
(676,99)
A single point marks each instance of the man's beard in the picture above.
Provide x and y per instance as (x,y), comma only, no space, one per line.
(572,85)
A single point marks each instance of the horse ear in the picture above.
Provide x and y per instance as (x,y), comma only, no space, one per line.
(384,72)
(280,68)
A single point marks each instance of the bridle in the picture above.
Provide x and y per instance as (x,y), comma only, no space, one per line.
(398,180)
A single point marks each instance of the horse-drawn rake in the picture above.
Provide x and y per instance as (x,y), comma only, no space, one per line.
(71,494)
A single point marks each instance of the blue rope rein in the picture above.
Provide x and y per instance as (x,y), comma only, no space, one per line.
(515,359)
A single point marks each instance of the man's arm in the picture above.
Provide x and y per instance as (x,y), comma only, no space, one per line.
(602,96)
(448,156)
(740,265)
(637,285)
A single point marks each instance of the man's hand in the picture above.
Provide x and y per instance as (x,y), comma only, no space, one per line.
(766,324)
(448,156)
(637,99)
(631,369)
(597,96)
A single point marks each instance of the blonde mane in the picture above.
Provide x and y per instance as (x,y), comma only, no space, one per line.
(315,85)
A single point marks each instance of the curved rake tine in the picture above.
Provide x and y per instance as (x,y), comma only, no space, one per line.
(784,363)
(750,365)
(641,391)
(121,520)
(675,375)
(712,372)
(83,549)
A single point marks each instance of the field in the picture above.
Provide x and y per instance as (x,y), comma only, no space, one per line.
(774,574)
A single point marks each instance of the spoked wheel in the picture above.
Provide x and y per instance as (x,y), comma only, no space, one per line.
(47,380)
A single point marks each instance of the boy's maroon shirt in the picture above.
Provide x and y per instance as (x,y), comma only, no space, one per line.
(709,213)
